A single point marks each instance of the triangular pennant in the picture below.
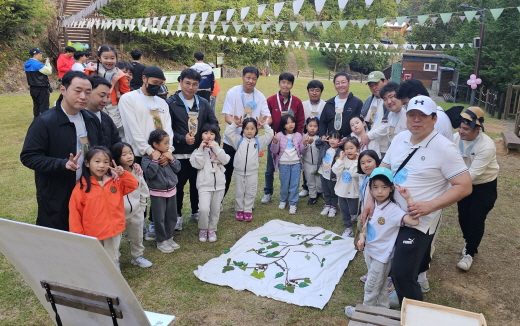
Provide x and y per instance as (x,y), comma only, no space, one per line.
(172,20)
(470,14)
(244,39)
(257,24)
(375,46)
(265,41)
(161,22)
(496,12)
(400,20)
(190,28)
(308,26)
(317,23)
(225,28)
(327,45)
(238,27)
(319,5)
(243,13)
(342,24)
(154,21)
(356,45)
(369,2)
(461,45)
(278,8)
(442,45)
(201,28)
(264,27)
(181,19)
(216,15)
(317,44)
(434,19)
(169,27)
(424,46)
(380,21)
(347,45)
(147,21)
(386,46)
(286,43)
(452,45)
(297,6)
(211,36)
(325,25)
(204,17)
(278,27)
(179,27)
(462,18)
(293,26)
(306,43)
(200,35)
(229,14)
(361,23)
(414,46)
(433,46)
(336,45)
(342,4)
(250,28)
(212,28)
(192,18)
(470,45)
(446,17)
(227,38)
(367,22)
(261,9)
(366,46)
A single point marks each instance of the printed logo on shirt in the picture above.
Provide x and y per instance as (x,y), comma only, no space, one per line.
(161,110)
(409,241)
(346,177)
(327,158)
(400,177)
(371,233)
(290,143)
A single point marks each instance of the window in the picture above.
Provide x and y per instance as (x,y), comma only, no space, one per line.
(430,67)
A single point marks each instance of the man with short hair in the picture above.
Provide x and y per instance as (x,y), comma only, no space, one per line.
(280,104)
(99,99)
(375,113)
(137,78)
(54,148)
(65,61)
(207,80)
(479,153)
(38,79)
(397,115)
(81,58)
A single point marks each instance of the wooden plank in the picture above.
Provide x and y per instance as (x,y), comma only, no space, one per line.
(82,304)
(394,314)
(357,323)
(410,304)
(78,292)
(376,320)
(511,140)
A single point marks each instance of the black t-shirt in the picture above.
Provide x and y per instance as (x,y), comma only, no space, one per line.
(137,79)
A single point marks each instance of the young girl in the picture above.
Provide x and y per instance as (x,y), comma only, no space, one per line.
(379,234)
(310,159)
(247,145)
(359,129)
(347,185)
(135,204)
(209,159)
(287,148)
(329,153)
(96,205)
(162,181)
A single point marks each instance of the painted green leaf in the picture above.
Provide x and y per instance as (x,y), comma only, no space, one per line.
(289,289)
(243,268)
(307,280)
(280,286)
(228,260)
(264,239)
(261,249)
(303,285)
(273,254)
(328,243)
(294,235)
(258,275)
(251,250)
(322,260)
(227,250)
(273,245)
(307,257)
(227,269)
(337,238)
(238,263)
(279,275)
(307,245)
(327,236)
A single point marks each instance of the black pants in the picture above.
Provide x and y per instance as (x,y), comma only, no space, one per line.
(187,172)
(229,150)
(473,211)
(40,97)
(411,257)
(204,94)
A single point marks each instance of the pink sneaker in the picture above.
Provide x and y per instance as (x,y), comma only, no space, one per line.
(364,278)
(248,217)
(240,216)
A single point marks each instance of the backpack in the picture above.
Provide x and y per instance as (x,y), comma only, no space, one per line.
(206,81)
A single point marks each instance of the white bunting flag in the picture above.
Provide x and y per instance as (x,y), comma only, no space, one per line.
(297,6)
(203,17)
(356,45)
(261,9)
(342,4)
(181,19)
(192,18)
(243,13)
(443,45)
(216,15)
(369,2)
(265,41)
(154,22)
(211,36)
(452,45)
(317,44)
(461,45)
(306,44)
(286,43)
(278,8)
(229,14)
(319,5)
(172,20)
(336,45)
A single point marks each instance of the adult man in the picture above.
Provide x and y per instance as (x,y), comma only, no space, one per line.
(413,87)
(81,58)
(37,77)
(99,99)
(427,164)
(479,154)
(54,147)
(281,103)
(207,80)
(340,109)
(189,114)
(243,101)
(65,61)
(397,115)
(375,113)
(137,78)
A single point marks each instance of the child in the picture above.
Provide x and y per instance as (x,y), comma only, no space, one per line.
(96,205)
(135,204)
(329,152)
(162,181)
(209,159)
(247,145)
(380,233)
(359,129)
(347,185)
(286,149)
(310,159)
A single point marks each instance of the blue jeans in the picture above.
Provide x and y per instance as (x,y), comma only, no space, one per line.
(269,173)
(289,182)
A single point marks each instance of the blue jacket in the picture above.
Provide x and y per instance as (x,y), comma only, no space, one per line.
(34,77)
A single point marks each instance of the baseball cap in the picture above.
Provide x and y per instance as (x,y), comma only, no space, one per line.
(375,76)
(475,116)
(422,103)
(34,51)
(384,172)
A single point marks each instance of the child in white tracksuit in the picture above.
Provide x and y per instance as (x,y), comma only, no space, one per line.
(209,159)
(248,146)
(310,159)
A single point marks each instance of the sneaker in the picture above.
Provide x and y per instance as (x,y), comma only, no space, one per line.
(347,233)
(312,201)
(349,311)
(178,226)
(118,266)
(282,205)
(240,216)
(425,286)
(141,262)
(267,198)
(165,247)
(394,300)
(248,217)
(212,236)
(363,278)
(173,244)
(390,285)
(151,228)
(332,212)
(325,210)
(150,233)
(465,263)
(194,217)
(203,234)
(464,250)
(292,209)
(304,193)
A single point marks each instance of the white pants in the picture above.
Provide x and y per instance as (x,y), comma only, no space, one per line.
(245,192)
(376,288)
(313,181)
(209,209)
(111,246)
(134,230)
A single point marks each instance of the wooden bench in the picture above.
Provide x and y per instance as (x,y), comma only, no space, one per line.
(371,316)
(511,140)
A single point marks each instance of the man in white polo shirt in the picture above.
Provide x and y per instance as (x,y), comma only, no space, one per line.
(427,164)
(479,153)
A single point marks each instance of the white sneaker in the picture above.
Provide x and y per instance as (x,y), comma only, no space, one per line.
(212,236)
(325,210)
(304,193)
(347,233)
(178,226)
(394,300)
(282,205)
(267,198)
(292,209)
(203,235)
(165,247)
(465,263)
(141,262)
(425,286)
(349,311)
(173,244)
(332,212)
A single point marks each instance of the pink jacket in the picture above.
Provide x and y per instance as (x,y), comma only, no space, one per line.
(278,149)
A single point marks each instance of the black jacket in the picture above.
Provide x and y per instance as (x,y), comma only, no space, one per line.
(180,122)
(137,78)
(49,141)
(109,131)
(351,109)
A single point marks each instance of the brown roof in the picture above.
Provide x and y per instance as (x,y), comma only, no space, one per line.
(421,53)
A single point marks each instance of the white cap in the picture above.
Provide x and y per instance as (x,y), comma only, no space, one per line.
(422,103)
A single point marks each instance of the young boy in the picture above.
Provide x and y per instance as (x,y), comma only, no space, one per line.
(81,58)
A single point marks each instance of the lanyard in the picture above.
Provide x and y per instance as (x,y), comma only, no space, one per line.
(244,101)
(461,147)
(392,124)
(146,102)
(363,186)
(280,105)
(186,104)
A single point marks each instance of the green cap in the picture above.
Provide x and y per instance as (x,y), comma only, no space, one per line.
(383,171)
(375,76)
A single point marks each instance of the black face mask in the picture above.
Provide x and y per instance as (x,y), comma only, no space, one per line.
(153,89)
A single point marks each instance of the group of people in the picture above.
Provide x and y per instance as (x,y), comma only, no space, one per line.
(105,148)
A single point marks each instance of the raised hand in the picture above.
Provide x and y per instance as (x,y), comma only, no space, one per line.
(237,120)
(117,168)
(275,139)
(305,141)
(72,164)
(342,155)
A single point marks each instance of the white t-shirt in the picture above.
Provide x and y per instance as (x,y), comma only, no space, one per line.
(81,131)
(379,131)
(290,155)
(326,163)
(382,230)
(373,145)
(480,157)
(443,124)
(396,123)
(78,67)
(340,103)
(427,174)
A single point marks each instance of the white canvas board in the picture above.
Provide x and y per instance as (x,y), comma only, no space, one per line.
(415,316)
(159,319)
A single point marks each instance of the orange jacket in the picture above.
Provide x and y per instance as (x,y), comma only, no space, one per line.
(64,64)
(216,89)
(100,213)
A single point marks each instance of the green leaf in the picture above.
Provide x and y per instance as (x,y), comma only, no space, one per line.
(227,269)
(273,245)
(289,289)
(303,285)
(264,239)
(327,236)
(307,245)
(307,280)
(328,243)
(228,260)
(251,250)
(227,250)
(238,263)
(243,268)
(258,275)
(279,275)
(294,235)
(337,238)
(322,260)
(307,257)
(280,286)
(261,249)
(273,254)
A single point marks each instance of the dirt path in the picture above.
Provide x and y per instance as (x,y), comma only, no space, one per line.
(293,66)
